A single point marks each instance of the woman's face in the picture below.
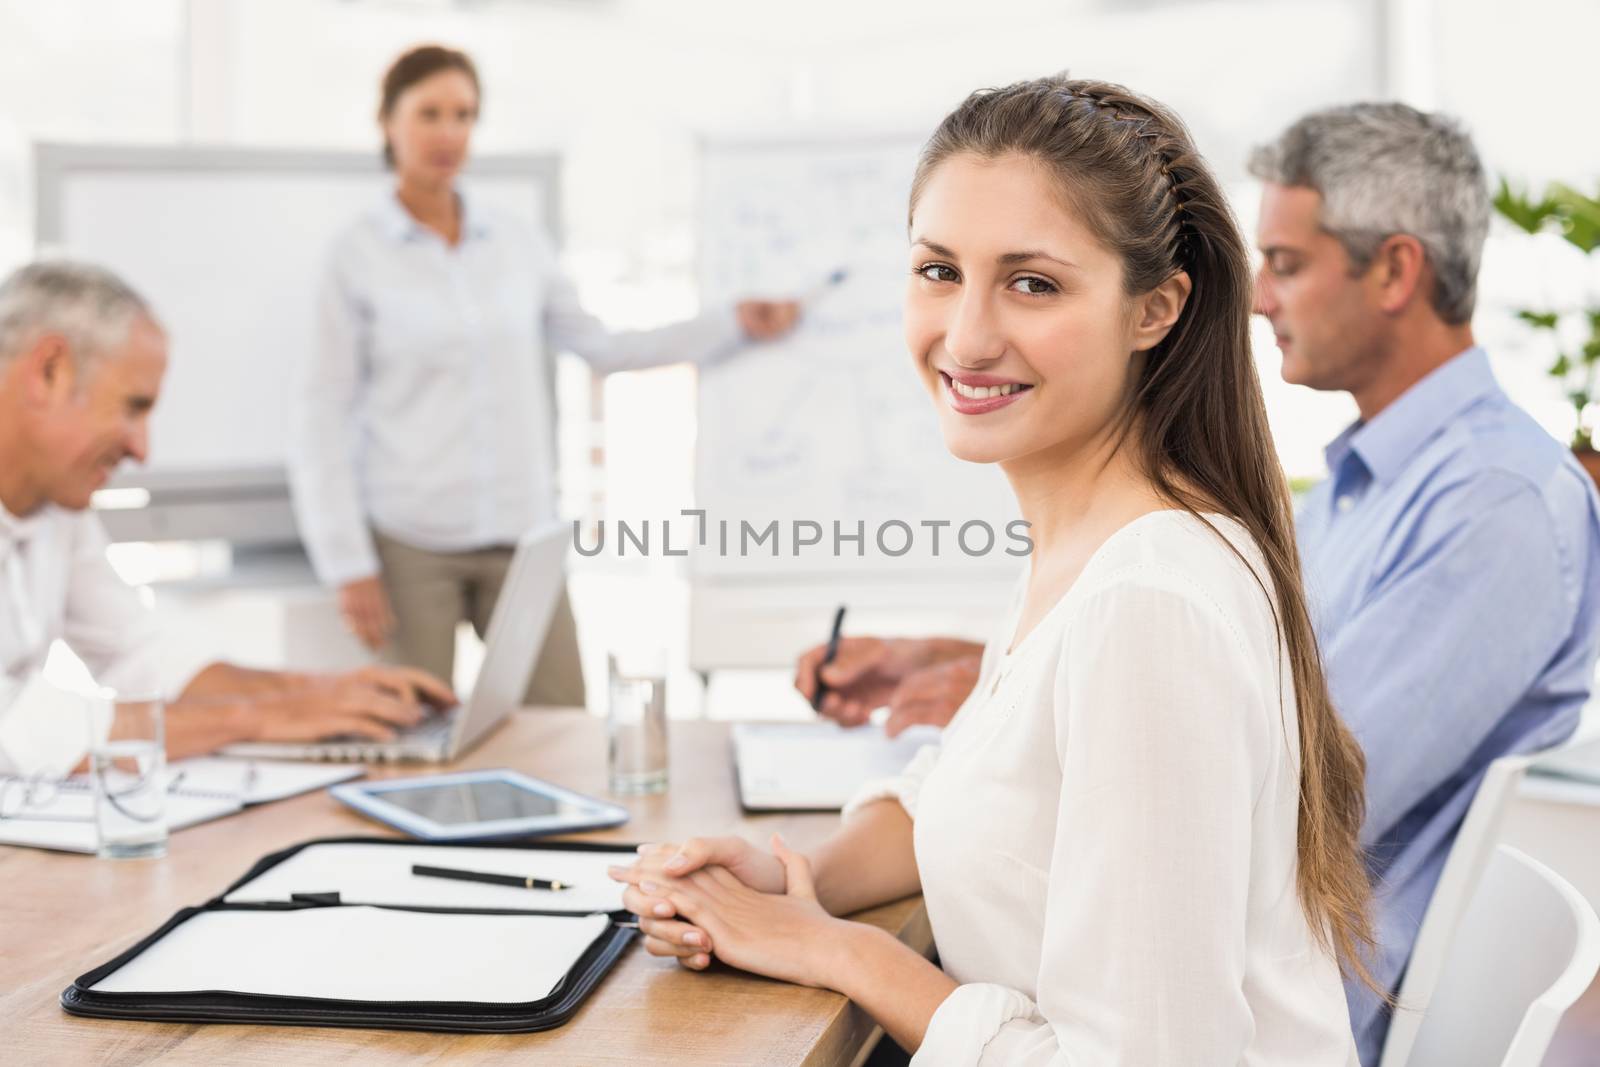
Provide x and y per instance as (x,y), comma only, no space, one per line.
(1015,314)
(430,127)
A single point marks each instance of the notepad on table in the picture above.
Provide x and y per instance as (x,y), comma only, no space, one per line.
(366,873)
(60,815)
(817,766)
(260,781)
(66,822)
(363,954)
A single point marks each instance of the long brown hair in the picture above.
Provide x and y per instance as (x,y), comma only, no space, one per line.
(1130,168)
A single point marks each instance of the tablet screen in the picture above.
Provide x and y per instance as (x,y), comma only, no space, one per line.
(487,800)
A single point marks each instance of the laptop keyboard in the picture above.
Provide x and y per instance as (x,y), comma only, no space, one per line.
(434,731)
(434,727)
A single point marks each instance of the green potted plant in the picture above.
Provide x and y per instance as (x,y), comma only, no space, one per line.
(1564,211)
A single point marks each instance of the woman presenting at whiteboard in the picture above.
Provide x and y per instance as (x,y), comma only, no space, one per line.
(421,437)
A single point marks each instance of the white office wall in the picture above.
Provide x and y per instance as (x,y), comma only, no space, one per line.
(1523,76)
(80,71)
(621,87)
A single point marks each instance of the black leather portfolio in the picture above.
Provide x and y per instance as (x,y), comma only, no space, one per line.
(341,932)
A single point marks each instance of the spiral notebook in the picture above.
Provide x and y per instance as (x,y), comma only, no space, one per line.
(59,815)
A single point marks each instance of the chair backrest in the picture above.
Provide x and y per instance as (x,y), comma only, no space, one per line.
(1468,855)
(1526,948)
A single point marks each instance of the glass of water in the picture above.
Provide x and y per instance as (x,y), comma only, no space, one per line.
(128,771)
(637,727)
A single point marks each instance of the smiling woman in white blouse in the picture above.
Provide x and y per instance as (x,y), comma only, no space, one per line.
(1137,840)
(422,436)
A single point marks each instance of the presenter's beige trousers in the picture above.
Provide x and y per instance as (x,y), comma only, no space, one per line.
(431,592)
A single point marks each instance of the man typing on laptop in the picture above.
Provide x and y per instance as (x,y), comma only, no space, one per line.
(81,363)
(517,629)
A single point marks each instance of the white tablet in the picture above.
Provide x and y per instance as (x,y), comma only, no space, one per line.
(472,805)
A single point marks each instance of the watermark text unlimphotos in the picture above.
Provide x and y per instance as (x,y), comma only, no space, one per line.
(795,537)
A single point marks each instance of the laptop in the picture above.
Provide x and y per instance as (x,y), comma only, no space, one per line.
(516,635)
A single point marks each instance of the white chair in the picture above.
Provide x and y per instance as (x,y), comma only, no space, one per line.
(1473,845)
(1526,948)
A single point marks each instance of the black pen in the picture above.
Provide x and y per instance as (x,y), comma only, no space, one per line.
(827,658)
(489,879)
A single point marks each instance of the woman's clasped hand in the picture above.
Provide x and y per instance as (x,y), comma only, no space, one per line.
(723,897)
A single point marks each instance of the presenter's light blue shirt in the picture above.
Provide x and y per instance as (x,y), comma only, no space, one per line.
(425,409)
(1452,559)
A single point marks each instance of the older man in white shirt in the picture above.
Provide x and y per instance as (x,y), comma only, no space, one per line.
(81,363)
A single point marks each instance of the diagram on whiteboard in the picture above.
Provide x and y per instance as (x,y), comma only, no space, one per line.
(832,422)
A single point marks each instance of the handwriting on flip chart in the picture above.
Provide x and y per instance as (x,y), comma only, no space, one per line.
(833,421)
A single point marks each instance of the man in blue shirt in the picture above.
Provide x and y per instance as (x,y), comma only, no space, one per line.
(1452,557)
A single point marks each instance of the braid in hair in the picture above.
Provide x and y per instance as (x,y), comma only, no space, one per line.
(1163,150)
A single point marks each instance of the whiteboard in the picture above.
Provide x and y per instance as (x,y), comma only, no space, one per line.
(831,423)
(228,246)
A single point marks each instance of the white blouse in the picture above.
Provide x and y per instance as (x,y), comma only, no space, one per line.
(1106,834)
(426,407)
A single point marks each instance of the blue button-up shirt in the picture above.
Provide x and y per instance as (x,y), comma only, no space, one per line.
(1452,559)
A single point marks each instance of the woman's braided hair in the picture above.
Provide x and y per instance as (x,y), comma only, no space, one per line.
(1116,103)
(1128,168)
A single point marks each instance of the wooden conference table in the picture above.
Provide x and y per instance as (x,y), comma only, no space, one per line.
(64,914)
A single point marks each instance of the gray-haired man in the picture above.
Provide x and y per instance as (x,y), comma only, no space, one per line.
(1452,556)
(81,363)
